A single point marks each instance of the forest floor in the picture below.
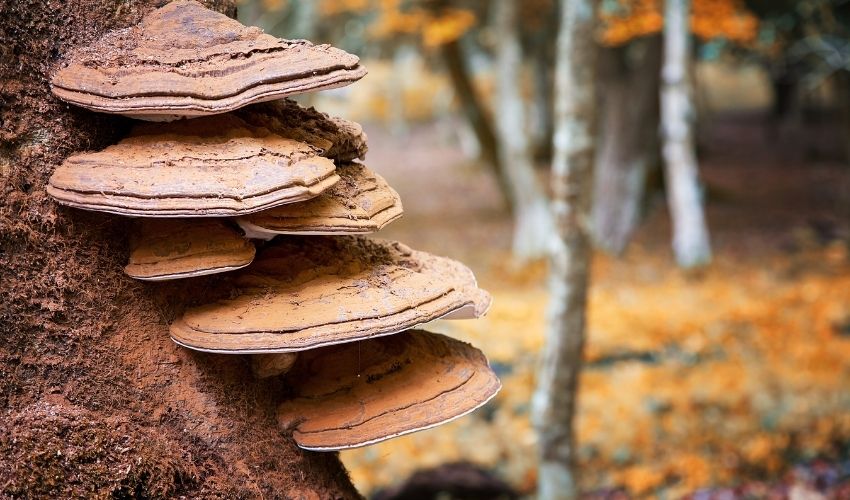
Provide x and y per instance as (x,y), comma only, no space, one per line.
(730,380)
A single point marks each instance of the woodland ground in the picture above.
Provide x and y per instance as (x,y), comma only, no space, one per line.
(733,377)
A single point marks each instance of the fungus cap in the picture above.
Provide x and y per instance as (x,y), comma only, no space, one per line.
(342,140)
(272,365)
(186,60)
(366,392)
(214,166)
(361,202)
(166,249)
(306,292)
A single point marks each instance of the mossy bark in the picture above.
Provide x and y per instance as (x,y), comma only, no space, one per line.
(96,400)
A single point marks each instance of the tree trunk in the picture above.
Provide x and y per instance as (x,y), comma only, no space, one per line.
(842,82)
(690,234)
(304,21)
(477,116)
(541,52)
(629,81)
(554,401)
(532,220)
(96,400)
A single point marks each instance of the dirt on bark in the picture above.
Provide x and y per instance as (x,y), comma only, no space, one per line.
(96,400)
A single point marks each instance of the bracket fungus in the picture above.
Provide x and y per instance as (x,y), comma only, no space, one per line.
(215,166)
(369,391)
(343,140)
(272,365)
(321,306)
(166,249)
(361,202)
(185,60)
(307,292)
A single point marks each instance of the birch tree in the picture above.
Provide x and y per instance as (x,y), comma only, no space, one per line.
(532,219)
(473,109)
(554,401)
(690,234)
(628,148)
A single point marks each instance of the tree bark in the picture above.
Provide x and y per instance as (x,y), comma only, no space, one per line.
(690,234)
(532,219)
(541,52)
(476,114)
(97,401)
(629,82)
(842,82)
(554,401)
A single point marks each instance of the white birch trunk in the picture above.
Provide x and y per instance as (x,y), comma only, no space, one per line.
(532,220)
(554,401)
(690,234)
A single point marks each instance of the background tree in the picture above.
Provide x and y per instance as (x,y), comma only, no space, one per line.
(98,402)
(804,45)
(628,151)
(690,233)
(629,105)
(572,175)
(532,221)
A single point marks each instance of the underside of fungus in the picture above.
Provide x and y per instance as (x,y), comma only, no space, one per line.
(186,60)
(166,249)
(361,202)
(214,166)
(307,292)
(369,391)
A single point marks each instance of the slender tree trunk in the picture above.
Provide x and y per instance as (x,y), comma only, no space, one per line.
(476,114)
(97,401)
(629,82)
(842,82)
(690,233)
(304,22)
(532,219)
(541,51)
(544,126)
(554,402)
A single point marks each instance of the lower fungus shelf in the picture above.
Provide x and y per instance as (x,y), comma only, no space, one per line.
(307,292)
(166,249)
(365,392)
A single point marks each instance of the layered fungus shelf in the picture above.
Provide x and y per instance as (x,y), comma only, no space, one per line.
(330,312)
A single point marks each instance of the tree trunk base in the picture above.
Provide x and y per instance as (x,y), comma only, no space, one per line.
(97,401)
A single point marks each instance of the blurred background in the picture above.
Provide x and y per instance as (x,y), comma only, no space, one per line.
(724,379)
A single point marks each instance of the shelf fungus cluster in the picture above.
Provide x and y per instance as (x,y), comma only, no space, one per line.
(235,178)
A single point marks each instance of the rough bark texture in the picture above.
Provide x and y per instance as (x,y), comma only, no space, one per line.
(96,400)
(629,79)
(690,233)
(476,114)
(572,174)
(532,220)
